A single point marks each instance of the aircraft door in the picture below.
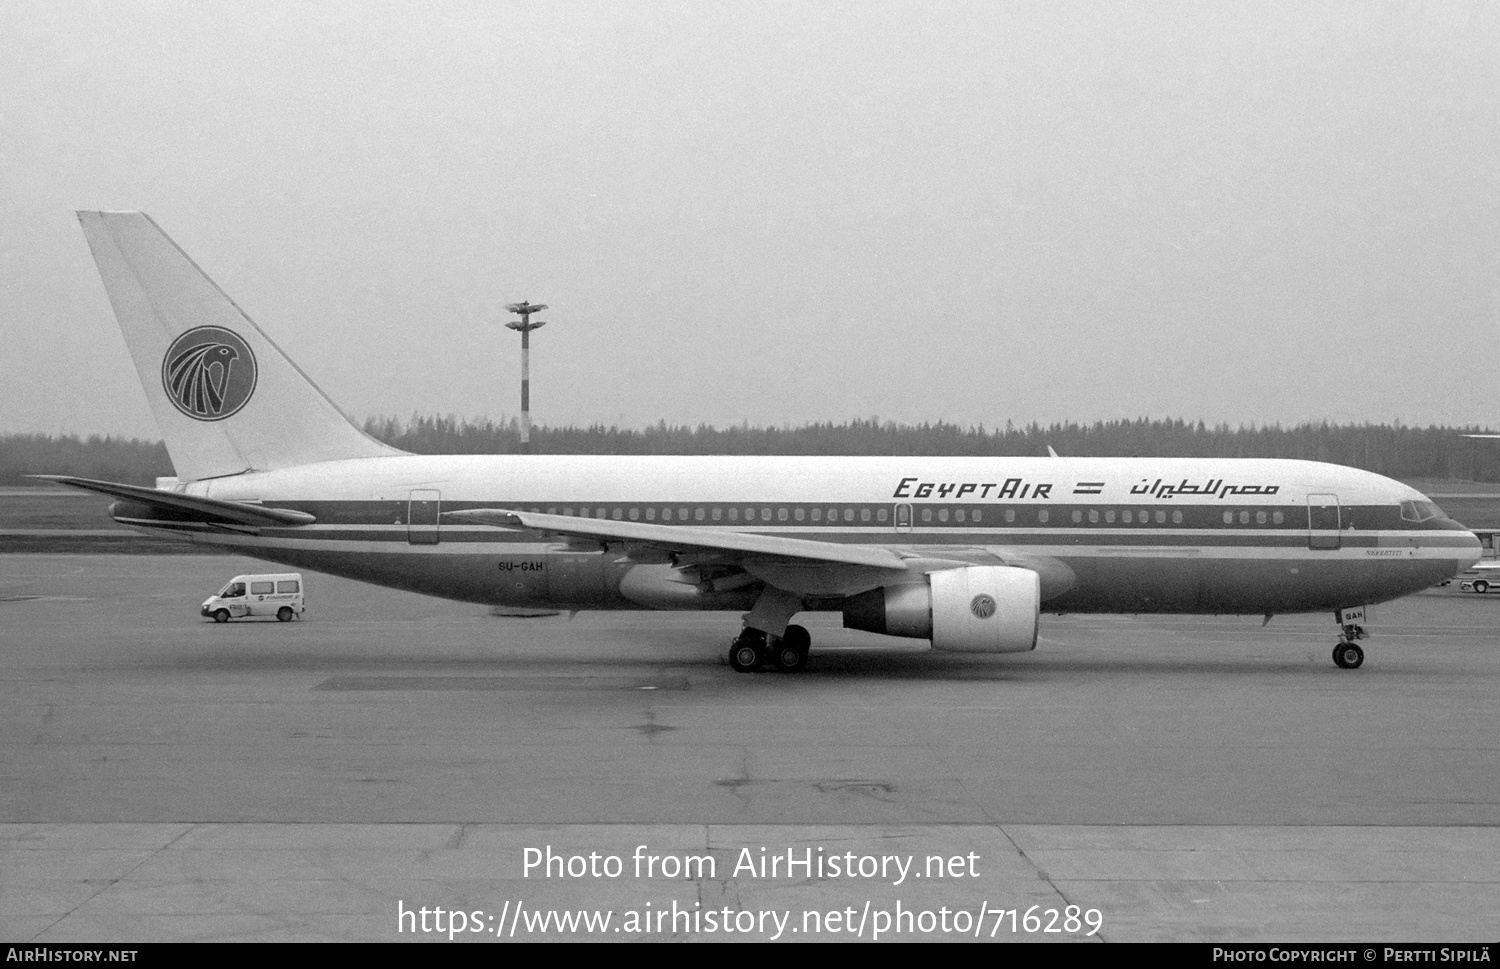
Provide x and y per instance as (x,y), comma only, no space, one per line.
(1323,521)
(903,518)
(422,511)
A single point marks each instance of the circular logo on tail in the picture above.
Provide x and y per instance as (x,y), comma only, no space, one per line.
(209,373)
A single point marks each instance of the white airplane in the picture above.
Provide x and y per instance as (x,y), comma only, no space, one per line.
(963,552)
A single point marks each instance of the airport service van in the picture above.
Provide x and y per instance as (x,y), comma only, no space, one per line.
(1483,577)
(279,594)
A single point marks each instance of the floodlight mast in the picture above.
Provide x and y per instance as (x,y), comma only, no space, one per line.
(524,309)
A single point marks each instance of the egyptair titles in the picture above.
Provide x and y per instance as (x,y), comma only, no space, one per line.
(1021,489)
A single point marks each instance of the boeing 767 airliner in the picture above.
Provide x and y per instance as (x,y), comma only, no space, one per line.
(963,552)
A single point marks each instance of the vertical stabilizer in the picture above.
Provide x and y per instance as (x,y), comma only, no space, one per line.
(226,398)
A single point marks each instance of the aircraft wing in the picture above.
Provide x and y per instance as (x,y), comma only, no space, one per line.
(188,507)
(688,539)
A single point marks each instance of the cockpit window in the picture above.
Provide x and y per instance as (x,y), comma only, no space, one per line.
(1420,511)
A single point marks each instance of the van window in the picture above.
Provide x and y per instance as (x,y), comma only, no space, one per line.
(233,590)
(262,588)
(288,585)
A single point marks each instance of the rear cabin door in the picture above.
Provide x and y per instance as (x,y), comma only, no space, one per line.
(1323,521)
(422,517)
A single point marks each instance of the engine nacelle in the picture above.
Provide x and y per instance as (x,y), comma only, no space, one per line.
(975,609)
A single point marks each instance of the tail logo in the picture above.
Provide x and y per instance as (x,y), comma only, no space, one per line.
(209,373)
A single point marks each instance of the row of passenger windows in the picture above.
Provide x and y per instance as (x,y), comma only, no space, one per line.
(654,513)
(882,515)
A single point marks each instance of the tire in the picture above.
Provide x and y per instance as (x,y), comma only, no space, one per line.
(221,615)
(1481,586)
(744,657)
(284,614)
(1347,656)
(790,658)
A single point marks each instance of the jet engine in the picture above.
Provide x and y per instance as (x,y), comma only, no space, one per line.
(974,609)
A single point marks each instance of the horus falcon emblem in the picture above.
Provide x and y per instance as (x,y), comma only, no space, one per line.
(198,378)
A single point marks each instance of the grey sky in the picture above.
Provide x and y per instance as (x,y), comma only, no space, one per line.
(774,212)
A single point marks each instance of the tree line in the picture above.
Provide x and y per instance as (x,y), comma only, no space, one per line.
(1394,450)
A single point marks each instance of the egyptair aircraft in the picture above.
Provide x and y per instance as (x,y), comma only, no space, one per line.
(963,552)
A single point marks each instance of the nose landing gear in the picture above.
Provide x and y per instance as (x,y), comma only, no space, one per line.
(1347,655)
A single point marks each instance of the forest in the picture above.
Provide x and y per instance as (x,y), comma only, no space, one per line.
(1394,450)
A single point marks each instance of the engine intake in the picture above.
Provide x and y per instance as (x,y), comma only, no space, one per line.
(974,609)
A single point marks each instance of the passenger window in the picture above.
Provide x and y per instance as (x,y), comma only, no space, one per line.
(650,514)
(1126,516)
(959,515)
(800,514)
(817,514)
(734,514)
(927,514)
(635,514)
(1260,518)
(978,514)
(1109,516)
(749,514)
(1161,517)
(765,514)
(1077,516)
(598,512)
(882,514)
(1229,518)
(1042,516)
(864,514)
(682,514)
(697,514)
(942,514)
(848,514)
(617,514)
(1244,518)
(1176,517)
(781,514)
(1010,515)
(288,585)
(568,512)
(1093,516)
(1277,517)
(262,588)
(718,513)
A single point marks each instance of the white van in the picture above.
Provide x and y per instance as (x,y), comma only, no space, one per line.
(1483,577)
(279,595)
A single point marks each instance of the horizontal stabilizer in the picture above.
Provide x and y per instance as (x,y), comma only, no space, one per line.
(237,512)
(685,538)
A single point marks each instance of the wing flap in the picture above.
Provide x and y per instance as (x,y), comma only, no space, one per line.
(686,538)
(235,512)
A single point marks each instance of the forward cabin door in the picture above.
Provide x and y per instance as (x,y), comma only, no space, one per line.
(903,518)
(1323,521)
(422,517)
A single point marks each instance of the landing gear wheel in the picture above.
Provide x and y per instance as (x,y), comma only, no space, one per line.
(1347,656)
(790,652)
(284,614)
(1481,586)
(748,651)
(221,615)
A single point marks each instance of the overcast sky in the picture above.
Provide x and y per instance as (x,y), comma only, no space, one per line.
(776,212)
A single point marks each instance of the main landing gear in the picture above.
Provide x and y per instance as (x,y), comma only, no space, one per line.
(1347,655)
(753,650)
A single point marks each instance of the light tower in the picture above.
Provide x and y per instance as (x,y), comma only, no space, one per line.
(525,309)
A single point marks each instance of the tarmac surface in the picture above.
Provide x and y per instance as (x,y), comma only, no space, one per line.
(1174,778)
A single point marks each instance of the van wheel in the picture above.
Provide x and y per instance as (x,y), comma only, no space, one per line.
(221,615)
(284,614)
(1481,586)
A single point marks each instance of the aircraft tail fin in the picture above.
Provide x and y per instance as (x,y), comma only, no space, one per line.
(227,399)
